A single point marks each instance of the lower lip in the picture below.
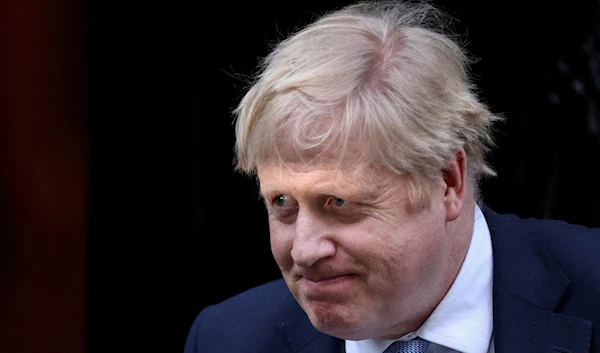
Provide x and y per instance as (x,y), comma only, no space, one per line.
(332,285)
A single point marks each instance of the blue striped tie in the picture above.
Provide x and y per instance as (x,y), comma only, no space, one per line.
(417,345)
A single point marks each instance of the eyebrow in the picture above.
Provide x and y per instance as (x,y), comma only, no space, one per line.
(368,194)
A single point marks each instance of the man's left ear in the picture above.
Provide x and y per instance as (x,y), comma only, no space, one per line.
(455,182)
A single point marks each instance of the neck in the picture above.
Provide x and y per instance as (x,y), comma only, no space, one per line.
(461,232)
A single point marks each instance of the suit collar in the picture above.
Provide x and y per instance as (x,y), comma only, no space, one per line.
(528,288)
(522,266)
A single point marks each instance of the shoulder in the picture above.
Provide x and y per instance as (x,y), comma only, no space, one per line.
(249,320)
(572,247)
(553,234)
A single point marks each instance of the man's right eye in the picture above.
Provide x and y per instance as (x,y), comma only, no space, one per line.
(283,201)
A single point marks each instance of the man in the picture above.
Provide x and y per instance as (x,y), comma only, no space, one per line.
(368,143)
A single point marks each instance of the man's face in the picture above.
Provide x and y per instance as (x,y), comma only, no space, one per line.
(357,258)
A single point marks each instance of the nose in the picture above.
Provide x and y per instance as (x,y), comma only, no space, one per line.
(312,239)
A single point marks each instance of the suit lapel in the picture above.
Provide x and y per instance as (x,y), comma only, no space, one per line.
(522,327)
(528,287)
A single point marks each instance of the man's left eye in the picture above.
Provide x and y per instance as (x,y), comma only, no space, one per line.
(338,201)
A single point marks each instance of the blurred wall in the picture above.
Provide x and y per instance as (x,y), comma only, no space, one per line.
(43,176)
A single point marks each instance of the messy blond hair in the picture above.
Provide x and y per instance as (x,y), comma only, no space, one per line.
(372,84)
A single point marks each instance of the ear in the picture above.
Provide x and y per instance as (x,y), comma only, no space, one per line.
(455,182)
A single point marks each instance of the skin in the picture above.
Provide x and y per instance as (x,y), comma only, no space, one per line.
(358,259)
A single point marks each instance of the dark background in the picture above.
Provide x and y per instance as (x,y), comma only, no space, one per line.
(121,216)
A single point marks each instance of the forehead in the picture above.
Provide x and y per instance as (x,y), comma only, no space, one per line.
(325,178)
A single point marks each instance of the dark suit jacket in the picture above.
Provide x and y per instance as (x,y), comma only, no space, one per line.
(546,298)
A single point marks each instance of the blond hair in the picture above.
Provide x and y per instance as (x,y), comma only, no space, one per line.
(372,84)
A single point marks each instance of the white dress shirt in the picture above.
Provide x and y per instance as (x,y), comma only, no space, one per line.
(463,321)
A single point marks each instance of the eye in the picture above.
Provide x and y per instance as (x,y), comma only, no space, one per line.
(282,208)
(338,201)
(283,201)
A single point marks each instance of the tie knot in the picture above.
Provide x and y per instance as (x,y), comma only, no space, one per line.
(417,345)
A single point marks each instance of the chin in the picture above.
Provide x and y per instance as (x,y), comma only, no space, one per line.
(335,320)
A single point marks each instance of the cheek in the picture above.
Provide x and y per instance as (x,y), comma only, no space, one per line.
(281,244)
(426,254)
(399,253)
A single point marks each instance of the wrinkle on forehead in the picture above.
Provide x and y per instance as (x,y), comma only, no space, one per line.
(365,179)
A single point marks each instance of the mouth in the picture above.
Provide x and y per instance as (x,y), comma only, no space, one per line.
(319,287)
(325,278)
